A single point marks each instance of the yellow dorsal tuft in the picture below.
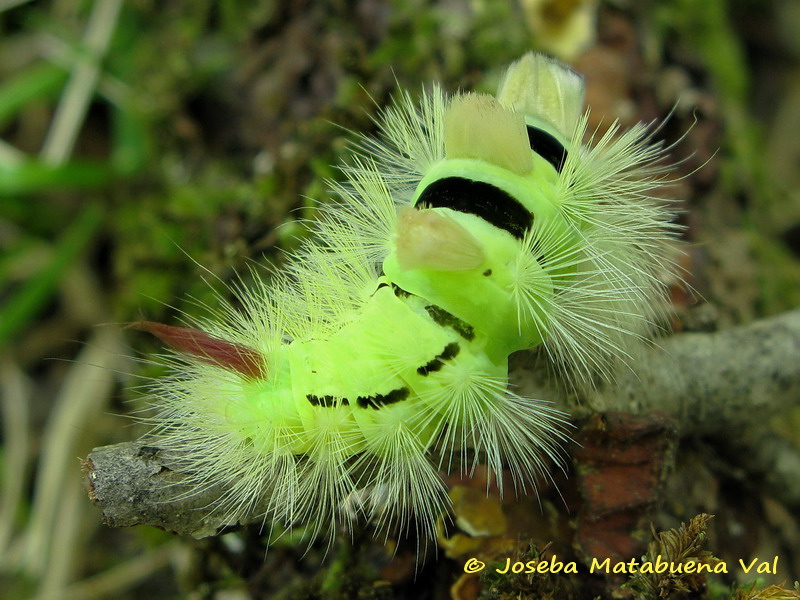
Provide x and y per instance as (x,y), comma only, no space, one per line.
(427,239)
(478,126)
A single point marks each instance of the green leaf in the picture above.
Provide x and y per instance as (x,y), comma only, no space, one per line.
(37,176)
(38,81)
(22,306)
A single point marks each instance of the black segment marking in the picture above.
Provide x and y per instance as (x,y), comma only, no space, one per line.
(377,401)
(382,284)
(327,401)
(400,292)
(445,319)
(380,400)
(450,351)
(487,273)
(484,200)
(548,147)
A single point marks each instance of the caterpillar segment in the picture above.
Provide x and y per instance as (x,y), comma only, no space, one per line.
(475,227)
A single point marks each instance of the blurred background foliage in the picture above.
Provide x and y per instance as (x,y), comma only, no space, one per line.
(152,151)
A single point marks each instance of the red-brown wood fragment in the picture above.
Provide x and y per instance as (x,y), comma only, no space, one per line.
(208,349)
(621,466)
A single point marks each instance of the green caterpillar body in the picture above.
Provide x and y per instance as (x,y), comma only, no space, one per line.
(477,227)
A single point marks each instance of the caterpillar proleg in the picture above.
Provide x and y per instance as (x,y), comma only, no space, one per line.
(476,226)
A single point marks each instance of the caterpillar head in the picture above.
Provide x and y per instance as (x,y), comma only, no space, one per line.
(468,240)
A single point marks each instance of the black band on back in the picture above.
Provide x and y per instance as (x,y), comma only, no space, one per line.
(484,200)
(548,147)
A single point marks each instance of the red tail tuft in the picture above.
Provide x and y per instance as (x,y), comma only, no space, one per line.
(200,345)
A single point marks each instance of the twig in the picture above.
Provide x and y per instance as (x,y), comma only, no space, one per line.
(708,383)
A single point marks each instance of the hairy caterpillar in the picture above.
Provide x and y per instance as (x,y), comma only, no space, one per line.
(475,227)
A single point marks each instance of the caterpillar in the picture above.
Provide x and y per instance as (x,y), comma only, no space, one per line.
(473,227)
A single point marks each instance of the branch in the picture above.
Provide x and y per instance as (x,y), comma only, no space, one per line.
(134,485)
(708,383)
